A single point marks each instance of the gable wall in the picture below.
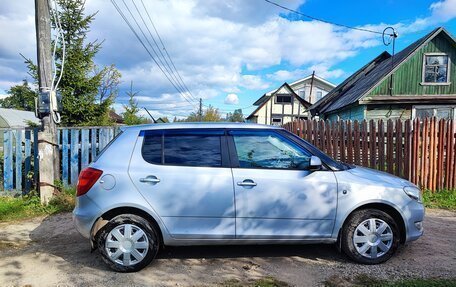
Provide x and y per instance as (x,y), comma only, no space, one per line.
(408,76)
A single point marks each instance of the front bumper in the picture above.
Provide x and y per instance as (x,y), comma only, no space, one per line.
(414,216)
(85,214)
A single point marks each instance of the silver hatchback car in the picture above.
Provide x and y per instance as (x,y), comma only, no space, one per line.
(216,184)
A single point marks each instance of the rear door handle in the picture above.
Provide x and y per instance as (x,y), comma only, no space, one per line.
(150,179)
(247,182)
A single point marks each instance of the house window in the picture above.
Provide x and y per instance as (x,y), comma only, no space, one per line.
(276,121)
(440,112)
(319,95)
(436,69)
(283,99)
(302,94)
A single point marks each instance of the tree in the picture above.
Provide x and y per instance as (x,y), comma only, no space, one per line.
(130,115)
(211,114)
(87,90)
(237,116)
(21,97)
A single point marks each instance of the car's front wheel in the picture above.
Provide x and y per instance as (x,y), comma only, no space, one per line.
(128,243)
(370,236)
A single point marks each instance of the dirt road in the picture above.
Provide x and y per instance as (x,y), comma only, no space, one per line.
(49,252)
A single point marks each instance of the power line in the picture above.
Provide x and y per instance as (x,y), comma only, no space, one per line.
(166,65)
(180,90)
(119,10)
(322,20)
(166,51)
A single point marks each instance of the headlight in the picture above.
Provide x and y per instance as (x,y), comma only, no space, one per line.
(413,192)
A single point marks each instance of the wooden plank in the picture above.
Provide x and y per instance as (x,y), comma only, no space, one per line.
(18,161)
(74,156)
(432,161)
(36,161)
(424,154)
(28,161)
(407,149)
(414,152)
(356,146)
(93,144)
(8,160)
(399,157)
(453,125)
(335,140)
(440,155)
(65,165)
(328,138)
(350,141)
(342,139)
(315,133)
(449,152)
(372,145)
(381,145)
(84,148)
(365,145)
(321,135)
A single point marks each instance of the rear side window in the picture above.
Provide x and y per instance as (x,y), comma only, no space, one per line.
(185,148)
(193,150)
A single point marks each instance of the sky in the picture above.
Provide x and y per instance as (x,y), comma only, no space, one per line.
(229,53)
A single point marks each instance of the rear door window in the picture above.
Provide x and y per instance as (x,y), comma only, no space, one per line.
(183,148)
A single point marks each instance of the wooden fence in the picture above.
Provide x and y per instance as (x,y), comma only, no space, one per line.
(78,147)
(422,151)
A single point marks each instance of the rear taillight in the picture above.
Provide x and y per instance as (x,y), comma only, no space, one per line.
(87,179)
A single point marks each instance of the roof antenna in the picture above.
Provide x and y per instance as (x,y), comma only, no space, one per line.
(389,38)
(153,120)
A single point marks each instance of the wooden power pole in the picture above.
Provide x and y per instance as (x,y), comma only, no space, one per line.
(47,138)
(311,87)
(200,110)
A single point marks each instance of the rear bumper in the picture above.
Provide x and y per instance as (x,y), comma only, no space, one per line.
(84,215)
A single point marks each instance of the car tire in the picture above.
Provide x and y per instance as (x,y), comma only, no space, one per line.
(370,236)
(128,243)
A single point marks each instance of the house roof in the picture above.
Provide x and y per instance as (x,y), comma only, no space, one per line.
(264,99)
(365,79)
(297,82)
(17,118)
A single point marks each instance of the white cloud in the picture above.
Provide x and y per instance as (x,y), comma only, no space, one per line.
(231,99)
(219,47)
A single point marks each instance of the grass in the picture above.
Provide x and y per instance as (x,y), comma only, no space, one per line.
(28,206)
(445,199)
(366,280)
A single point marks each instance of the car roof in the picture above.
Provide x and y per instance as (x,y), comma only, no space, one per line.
(189,125)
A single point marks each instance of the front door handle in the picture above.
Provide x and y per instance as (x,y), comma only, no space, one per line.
(150,179)
(247,183)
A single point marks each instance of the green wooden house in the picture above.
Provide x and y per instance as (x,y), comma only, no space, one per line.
(419,81)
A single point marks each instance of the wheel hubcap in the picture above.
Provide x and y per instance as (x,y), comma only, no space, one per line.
(127,244)
(373,238)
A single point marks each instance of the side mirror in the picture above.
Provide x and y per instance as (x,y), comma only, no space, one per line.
(315,163)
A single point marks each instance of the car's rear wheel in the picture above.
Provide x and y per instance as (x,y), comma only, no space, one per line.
(128,243)
(370,236)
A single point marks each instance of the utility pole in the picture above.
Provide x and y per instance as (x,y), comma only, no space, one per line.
(47,138)
(200,111)
(311,87)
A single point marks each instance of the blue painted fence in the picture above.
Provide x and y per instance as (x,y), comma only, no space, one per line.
(19,170)
(78,147)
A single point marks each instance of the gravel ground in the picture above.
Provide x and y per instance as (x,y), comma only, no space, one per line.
(49,252)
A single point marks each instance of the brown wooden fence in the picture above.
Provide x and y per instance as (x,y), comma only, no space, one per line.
(422,151)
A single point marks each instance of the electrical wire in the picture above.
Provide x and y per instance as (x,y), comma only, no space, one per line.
(322,20)
(124,17)
(166,51)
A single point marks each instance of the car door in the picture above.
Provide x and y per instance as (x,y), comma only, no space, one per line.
(277,196)
(185,177)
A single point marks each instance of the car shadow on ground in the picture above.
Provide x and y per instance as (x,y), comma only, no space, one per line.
(56,235)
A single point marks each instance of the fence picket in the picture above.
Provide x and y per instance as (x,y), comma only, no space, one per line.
(84,148)
(74,156)
(18,159)
(8,160)
(27,160)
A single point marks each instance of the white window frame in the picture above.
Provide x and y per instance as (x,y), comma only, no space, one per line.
(414,108)
(423,72)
